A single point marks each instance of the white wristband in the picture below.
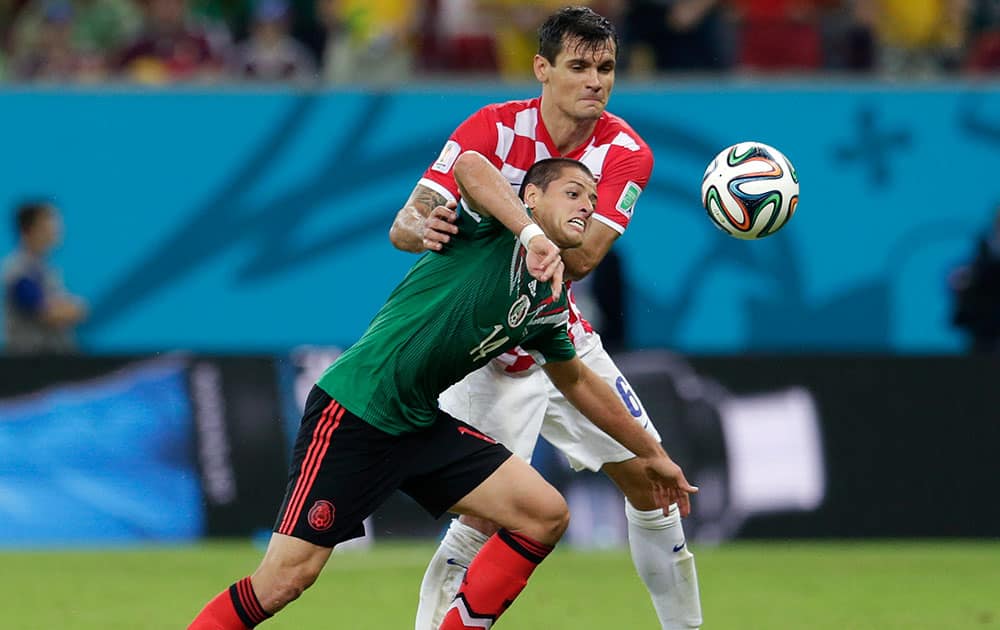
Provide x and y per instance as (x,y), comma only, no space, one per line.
(529,232)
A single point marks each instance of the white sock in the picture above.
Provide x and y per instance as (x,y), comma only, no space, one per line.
(663,561)
(444,574)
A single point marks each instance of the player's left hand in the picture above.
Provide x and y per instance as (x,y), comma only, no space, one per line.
(545,264)
(439,226)
(669,484)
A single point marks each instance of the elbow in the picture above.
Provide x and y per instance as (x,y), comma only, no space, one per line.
(399,240)
(467,163)
(394,237)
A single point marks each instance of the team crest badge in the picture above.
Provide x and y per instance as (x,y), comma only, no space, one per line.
(518,311)
(321,515)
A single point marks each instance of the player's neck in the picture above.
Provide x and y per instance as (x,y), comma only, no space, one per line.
(567,133)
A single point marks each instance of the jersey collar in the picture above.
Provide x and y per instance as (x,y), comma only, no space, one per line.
(542,134)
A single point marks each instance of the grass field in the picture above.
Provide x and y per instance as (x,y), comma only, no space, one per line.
(772,586)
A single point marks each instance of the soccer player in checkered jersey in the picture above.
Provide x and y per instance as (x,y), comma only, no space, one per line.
(511,399)
(372,423)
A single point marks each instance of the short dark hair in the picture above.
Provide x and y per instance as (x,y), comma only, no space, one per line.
(544,172)
(28,214)
(591,28)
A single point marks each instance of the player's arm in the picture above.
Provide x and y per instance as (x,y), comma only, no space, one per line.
(426,221)
(486,191)
(63,312)
(617,193)
(597,401)
(597,240)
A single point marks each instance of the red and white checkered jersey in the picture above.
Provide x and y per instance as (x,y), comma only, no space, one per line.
(513,137)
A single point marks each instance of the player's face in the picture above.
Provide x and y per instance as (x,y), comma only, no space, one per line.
(563,209)
(579,83)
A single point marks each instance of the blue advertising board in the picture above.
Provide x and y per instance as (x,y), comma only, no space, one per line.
(231,221)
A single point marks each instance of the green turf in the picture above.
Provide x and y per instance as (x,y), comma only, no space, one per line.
(772,586)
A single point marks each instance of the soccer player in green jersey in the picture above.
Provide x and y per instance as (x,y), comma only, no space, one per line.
(575,67)
(372,425)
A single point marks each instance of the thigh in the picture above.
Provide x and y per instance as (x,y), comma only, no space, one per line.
(509,409)
(342,469)
(585,445)
(444,462)
(515,497)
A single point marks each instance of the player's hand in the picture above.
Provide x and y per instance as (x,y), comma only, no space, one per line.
(545,264)
(669,484)
(438,226)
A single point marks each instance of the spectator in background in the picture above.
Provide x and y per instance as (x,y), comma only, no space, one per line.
(677,35)
(39,315)
(367,41)
(222,20)
(984,38)
(463,39)
(780,35)
(70,40)
(976,288)
(271,53)
(515,26)
(921,37)
(170,47)
(51,54)
(849,37)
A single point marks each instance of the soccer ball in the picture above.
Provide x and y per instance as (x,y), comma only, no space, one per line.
(750,190)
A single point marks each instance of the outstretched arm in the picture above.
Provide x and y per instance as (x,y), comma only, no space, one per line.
(487,192)
(425,222)
(596,400)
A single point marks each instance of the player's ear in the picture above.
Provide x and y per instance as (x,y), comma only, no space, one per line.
(531,194)
(541,66)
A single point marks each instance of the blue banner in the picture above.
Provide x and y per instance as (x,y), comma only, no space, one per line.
(246,222)
(103,461)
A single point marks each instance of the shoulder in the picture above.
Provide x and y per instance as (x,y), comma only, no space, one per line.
(616,124)
(510,108)
(507,112)
(626,156)
(616,131)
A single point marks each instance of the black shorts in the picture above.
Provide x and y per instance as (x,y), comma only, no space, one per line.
(343,469)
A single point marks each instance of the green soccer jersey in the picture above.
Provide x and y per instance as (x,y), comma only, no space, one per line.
(453,312)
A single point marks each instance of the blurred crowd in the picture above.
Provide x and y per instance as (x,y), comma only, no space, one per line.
(390,41)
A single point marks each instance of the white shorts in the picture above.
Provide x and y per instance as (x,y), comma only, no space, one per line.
(515,409)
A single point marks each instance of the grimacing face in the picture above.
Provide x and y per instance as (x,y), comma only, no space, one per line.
(580,81)
(563,209)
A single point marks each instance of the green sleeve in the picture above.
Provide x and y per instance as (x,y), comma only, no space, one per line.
(553,343)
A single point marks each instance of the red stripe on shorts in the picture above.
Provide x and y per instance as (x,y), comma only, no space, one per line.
(311,464)
(477,434)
